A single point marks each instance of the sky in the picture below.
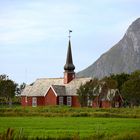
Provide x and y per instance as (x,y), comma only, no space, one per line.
(34,34)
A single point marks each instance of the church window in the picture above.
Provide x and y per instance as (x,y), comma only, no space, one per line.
(34,101)
(68,101)
(60,100)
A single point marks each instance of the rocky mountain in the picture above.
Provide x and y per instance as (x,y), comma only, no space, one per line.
(122,57)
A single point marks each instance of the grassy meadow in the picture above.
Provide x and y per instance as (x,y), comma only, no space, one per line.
(64,111)
(69,126)
(72,123)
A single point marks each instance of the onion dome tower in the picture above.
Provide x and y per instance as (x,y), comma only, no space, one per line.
(69,67)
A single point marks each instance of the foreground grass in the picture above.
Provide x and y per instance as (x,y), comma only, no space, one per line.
(82,127)
(63,111)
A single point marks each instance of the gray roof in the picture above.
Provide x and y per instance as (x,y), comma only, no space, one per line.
(59,90)
(41,86)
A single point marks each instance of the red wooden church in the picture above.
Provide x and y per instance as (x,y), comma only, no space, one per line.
(56,91)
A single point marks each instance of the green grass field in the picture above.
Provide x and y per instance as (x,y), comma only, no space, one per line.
(69,126)
(68,123)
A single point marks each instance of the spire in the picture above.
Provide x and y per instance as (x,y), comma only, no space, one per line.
(69,73)
(69,62)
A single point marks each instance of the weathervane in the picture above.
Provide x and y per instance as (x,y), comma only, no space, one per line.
(69,34)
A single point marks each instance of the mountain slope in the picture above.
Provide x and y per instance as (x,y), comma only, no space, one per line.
(122,57)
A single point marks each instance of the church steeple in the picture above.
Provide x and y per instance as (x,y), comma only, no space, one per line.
(69,67)
(69,62)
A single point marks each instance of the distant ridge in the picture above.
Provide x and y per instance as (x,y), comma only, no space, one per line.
(122,57)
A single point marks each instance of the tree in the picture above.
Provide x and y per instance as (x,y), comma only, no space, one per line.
(135,75)
(82,95)
(120,79)
(109,83)
(7,88)
(20,88)
(131,92)
(131,89)
(3,77)
(86,92)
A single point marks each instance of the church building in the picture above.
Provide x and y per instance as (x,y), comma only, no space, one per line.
(62,91)
(55,91)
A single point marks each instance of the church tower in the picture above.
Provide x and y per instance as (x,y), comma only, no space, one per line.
(69,67)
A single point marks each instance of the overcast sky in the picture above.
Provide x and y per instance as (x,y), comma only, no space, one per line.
(34,34)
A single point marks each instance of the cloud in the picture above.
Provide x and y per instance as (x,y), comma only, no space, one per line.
(36,21)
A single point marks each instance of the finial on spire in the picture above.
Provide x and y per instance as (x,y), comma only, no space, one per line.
(69,33)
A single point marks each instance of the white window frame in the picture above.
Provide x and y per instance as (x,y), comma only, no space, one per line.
(61,100)
(34,101)
(69,100)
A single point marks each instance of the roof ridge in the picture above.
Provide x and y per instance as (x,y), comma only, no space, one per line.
(48,78)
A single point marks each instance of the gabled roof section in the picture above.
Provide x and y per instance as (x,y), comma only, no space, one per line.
(59,90)
(110,95)
(71,88)
(26,90)
(41,86)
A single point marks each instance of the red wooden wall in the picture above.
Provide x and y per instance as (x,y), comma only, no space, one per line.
(50,98)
